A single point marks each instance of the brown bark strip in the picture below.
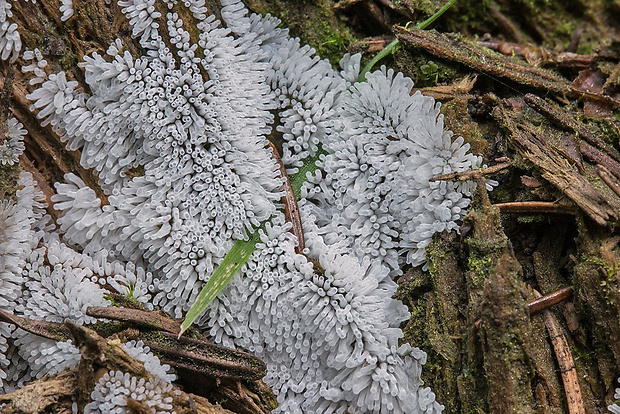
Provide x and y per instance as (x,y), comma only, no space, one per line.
(207,358)
(535,207)
(98,353)
(154,320)
(608,178)
(49,395)
(544,302)
(50,330)
(540,56)
(560,118)
(547,301)
(504,314)
(455,48)
(598,157)
(566,364)
(291,209)
(555,167)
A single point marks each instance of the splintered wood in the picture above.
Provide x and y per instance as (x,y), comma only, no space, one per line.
(456,48)
(542,144)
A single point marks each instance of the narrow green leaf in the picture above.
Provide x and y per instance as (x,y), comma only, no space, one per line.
(389,48)
(236,257)
(438,13)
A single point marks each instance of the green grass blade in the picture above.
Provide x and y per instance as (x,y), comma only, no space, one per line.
(435,16)
(237,256)
(389,48)
(223,274)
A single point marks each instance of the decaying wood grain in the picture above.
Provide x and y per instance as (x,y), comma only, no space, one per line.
(565,362)
(536,144)
(57,394)
(456,48)
(48,395)
(100,354)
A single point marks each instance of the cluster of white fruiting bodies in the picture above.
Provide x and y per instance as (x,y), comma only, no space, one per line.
(178,139)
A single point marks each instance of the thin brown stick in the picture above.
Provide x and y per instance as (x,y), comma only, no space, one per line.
(470,174)
(544,302)
(547,301)
(608,178)
(291,209)
(50,330)
(566,364)
(535,207)
(154,320)
(205,357)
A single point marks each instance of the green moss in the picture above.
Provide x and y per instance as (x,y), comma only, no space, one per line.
(9,175)
(609,278)
(107,329)
(331,43)
(479,268)
(423,70)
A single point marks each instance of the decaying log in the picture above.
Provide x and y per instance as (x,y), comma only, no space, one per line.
(58,394)
(541,146)
(481,59)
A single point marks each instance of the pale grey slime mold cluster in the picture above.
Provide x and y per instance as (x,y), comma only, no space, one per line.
(195,119)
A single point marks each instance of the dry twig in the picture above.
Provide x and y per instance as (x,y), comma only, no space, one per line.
(565,362)
(535,207)
(291,209)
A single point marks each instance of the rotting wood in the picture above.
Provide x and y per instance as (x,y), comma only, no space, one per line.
(506,337)
(98,353)
(565,362)
(50,330)
(209,359)
(535,207)
(543,302)
(539,56)
(608,178)
(230,372)
(446,92)
(530,141)
(57,393)
(154,320)
(561,118)
(593,154)
(47,395)
(456,48)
